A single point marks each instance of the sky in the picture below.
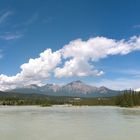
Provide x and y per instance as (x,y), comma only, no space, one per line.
(59,41)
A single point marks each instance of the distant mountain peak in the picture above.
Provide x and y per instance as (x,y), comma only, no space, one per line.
(103,88)
(75,89)
(75,82)
(31,86)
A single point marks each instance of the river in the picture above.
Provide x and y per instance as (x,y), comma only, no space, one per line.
(69,123)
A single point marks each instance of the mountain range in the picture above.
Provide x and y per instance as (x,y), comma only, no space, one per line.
(73,89)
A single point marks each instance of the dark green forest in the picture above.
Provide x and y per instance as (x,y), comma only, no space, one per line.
(128,99)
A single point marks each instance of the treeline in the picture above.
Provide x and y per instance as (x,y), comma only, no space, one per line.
(126,99)
(32,99)
(22,99)
(129,98)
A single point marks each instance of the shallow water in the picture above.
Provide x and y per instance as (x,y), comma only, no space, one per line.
(69,123)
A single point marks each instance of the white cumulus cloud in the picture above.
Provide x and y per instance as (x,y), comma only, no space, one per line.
(82,54)
(33,72)
(74,59)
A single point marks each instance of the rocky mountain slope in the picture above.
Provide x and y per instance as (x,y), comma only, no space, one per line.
(73,89)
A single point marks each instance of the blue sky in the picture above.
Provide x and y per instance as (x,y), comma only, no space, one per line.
(29,27)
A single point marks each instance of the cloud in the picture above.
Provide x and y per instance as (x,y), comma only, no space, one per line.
(77,58)
(8,35)
(82,54)
(77,67)
(11,36)
(19,28)
(119,84)
(136,26)
(130,72)
(4,16)
(33,72)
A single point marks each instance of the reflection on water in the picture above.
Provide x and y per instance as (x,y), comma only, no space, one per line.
(69,123)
